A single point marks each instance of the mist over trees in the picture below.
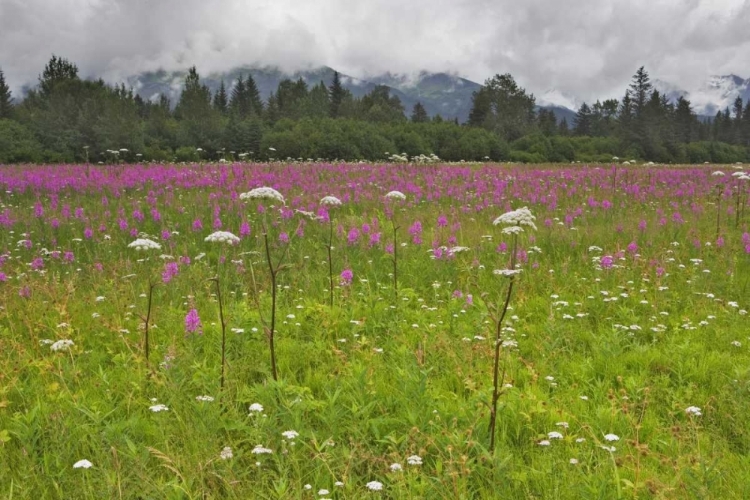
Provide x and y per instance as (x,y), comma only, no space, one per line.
(67,119)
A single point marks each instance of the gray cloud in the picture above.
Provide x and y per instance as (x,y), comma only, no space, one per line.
(588,48)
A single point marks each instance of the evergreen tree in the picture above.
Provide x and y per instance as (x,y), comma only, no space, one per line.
(253,96)
(239,103)
(199,121)
(56,71)
(220,99)
(745,130)
(685,121)
(640,91)
(419,114)
(737,123)
(503,107)
(547,122)
(562,128)
(6,101)
(583,120)
(338,94)
(316,104)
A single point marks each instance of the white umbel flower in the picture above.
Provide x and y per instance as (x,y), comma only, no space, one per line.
(223,237)
(414,460)
(395,195)
(506,272)
(290,434)
(374,486)
(694,411)
(518,217)
(143,244)
(83,464)
(260,193)
(61,345)
(261,450)
(330,201)
(226,453)
(718,173)
(512,230)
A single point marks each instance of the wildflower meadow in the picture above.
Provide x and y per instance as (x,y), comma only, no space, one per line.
(322,331)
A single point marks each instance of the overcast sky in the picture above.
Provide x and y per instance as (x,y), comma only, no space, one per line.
(588,48)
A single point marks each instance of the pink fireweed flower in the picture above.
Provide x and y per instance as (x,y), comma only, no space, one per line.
(155,215)
(68,256)
(284,238)
(244,229)
(88,233)
(3,278)
(720,242)
(642,225)
(138,215)
(607,261)
(374,239)
(79,213)
(346,277)
(54,223)
(193,322)
(38,210)
(217,223)
(442,221)
(197,225)
(37,264)
(171,269)
(165,234)
(123,224)
(633,247)
(352,236)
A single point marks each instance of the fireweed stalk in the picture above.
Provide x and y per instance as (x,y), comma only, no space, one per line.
(395,196)
(267,193)
(143,245)
(719,192)
(224,237)
(513,222)
(330,202)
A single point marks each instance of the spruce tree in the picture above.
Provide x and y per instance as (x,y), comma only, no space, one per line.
(220,99)
(419,114)
(239,104)
(337,93)
(6,102)
(583,120)
(57,70)
(253,96)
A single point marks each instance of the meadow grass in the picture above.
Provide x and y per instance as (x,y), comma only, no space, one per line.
(629,311)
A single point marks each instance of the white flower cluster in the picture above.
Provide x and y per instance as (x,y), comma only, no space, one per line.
(374,486)
(158,408)
(395,195)
(330,201)
(519,217)
(290,434)
(143,244)
(507,272)
(261,450)
(267,193)
(223,237)
(61,345)
(718,173)
(512,230)
(82,464)
(694,411)
(414,460)
(226,453)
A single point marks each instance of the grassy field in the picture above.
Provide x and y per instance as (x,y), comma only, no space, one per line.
(624,369)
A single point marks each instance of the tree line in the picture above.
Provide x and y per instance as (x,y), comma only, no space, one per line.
(69,119)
